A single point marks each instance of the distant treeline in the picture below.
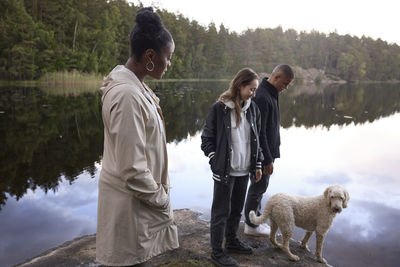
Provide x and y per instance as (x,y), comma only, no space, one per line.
(41,36)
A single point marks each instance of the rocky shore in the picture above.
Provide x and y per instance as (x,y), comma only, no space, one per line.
(194,239)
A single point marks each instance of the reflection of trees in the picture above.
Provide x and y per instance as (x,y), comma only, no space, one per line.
(340,105)
(185,105)
(45,137)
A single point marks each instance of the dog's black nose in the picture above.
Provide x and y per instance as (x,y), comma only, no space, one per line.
(336,209)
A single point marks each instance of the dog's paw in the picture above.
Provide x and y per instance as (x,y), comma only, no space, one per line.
(305,246)
(294,257)
(322,260)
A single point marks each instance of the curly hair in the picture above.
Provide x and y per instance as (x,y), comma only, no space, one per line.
(148,32)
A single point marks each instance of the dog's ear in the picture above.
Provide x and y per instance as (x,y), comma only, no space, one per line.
(347,198)
(326,192)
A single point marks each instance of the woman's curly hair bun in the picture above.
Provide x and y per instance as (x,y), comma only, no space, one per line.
(149,21)
(148,32)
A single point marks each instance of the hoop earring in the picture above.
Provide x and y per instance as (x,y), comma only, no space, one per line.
(152,66)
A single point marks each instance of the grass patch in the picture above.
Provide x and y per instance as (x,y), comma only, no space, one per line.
(4,83)
(75,83)
(71,78)
(69,83)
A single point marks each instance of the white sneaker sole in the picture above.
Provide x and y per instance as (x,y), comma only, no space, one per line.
(256,234)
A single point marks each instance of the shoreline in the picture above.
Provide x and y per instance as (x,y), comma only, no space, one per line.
(194,250)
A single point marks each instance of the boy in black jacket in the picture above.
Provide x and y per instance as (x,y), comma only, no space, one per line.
(266,98)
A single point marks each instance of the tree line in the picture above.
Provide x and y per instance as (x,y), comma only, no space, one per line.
(41,36)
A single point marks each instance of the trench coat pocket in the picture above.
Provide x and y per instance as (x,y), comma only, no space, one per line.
(153,219)
(160,199)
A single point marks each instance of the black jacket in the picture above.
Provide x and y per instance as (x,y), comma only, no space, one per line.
(216,140)
(267,101)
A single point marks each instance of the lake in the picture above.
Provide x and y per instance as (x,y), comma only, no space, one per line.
(52,144)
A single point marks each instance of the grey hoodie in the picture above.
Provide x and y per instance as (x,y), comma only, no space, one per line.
(240,134)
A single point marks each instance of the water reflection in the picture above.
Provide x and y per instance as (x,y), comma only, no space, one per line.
(185,105)
(44,137)
(310,106)
(364,159)
(339,134)
(364,234)
(40,221)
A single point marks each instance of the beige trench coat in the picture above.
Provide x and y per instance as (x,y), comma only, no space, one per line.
(134,220)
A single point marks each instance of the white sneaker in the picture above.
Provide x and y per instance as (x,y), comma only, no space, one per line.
(261,230)
(266,227)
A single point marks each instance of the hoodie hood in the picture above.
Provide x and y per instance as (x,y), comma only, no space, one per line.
(230,104)
(119,75)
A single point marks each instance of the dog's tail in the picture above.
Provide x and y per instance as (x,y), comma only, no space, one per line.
(258,219)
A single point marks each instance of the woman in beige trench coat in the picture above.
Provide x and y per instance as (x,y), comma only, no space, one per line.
(135,220)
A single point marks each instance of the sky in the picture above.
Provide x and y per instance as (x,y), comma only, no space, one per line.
(375,19)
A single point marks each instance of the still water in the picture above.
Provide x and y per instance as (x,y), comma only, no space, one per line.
(51,145)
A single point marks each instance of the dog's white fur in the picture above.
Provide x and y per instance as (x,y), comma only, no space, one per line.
(312,213)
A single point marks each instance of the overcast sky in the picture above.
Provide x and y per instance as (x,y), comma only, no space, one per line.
(376,19)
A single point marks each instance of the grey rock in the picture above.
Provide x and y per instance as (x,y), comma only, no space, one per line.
(194,250)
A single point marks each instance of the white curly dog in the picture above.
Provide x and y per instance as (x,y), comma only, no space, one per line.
(312,213)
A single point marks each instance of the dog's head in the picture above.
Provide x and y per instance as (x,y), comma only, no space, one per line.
(337,197)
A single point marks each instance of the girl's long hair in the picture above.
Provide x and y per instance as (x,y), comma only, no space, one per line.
(242,78)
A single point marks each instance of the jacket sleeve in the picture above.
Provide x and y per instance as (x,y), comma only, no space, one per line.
(264,110)
(208,137)
(128,134)
(260,156)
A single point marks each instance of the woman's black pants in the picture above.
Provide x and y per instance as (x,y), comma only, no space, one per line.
(226,210)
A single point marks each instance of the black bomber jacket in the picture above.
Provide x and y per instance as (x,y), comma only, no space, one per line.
(267,100)
(216,140)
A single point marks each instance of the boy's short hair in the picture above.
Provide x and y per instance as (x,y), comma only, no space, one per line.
(285,69)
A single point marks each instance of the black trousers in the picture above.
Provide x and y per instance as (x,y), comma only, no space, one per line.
(254,197)
(226,210)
